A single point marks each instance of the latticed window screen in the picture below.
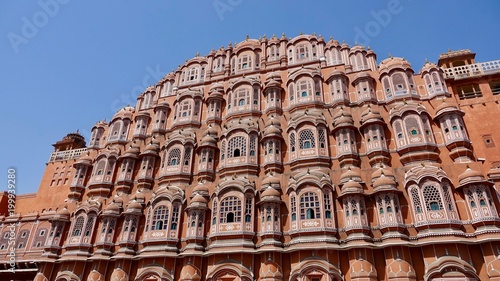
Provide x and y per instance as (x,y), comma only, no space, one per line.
(230,210)
(388,205)
(293,208)
(398,81)
(398,129)
(126,224)
(447,198)
(223,149)
(253,141)
(175,217)
(241,97)
(248,209)
(354,207)
(387,86)
(327,203)
(184,109)
(174,157)
(197,104)
(214,212)
(104,225)
(432,198)
(309,206)
(237,146)
(303,88)
(292,141)
(480,192)
(412,125)
(415,197)
(255,95)
(187,155)
(193,74)
(410,80)
(77,229)
(133,226)
(317,87)
(380,205)
(302,52)
(111,226)
(321,138)
(160,218)
(89,226)
(306,139)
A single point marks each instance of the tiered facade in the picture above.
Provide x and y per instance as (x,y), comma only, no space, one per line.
(277,159)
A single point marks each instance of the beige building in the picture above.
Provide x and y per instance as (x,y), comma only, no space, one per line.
(273,160)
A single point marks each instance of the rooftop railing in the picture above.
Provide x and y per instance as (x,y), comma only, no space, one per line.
(66,155)
(472,70)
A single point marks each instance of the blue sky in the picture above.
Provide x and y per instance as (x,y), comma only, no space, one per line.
(64,65)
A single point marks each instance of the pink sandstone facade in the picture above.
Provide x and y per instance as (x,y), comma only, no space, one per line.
(273,160)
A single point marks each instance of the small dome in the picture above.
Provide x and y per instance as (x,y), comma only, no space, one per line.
(132,151)
(350,174)
(210,131)
(95,275)
(445,107)
(382,171)
(199,199)
(189,272)
(272,131)
(84,160)
(399,269)
(125,112)
(270,271)
(332,43)
(216,87)
(470,175)
(428,66)
(208,140)
(393,63)
(370,116)
(383,181)
(270,180)
(343,121)
(201,189)
(270,192)
(112,209)
(352,187)
(151,149)
(134,207)
(363,269)
(139,196)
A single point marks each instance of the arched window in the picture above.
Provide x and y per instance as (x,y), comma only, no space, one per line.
(302,52)
(237,146)
(309,206)
(292,142)
(77,229)
(306,139)
(160,218)
(174,157)
(303,88)
(293,208)
(432,198)
(230,210)
(415,197)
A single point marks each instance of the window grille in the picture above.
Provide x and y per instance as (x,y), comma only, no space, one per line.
(230,210)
